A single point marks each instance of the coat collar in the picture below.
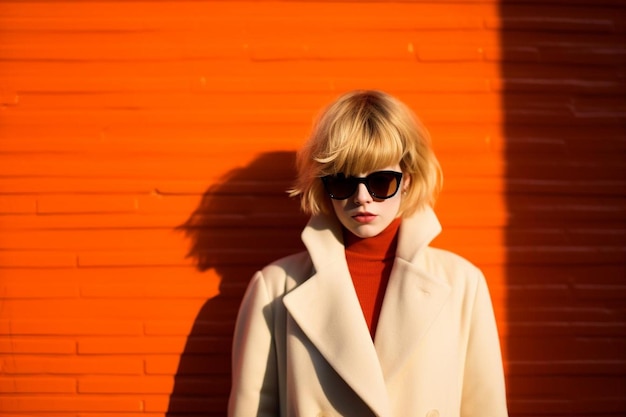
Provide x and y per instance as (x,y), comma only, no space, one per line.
(327,309)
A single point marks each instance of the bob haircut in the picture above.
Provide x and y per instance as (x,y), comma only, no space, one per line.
(361,132)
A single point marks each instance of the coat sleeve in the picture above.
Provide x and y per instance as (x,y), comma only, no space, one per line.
(483,381)
(254,390)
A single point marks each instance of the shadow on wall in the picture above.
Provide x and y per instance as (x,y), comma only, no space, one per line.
(243,223)
(565,150)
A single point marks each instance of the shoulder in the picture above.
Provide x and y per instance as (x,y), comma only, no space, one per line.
(451,259)
(286,273)
(292,265)
(450,267)
(466,281)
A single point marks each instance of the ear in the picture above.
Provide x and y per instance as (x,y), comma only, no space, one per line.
(406,182)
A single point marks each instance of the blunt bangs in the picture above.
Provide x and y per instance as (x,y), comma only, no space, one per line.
(362,155)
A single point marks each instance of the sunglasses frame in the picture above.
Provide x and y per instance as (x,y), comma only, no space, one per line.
(363,180)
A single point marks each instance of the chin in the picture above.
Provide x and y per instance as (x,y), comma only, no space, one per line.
(365,232)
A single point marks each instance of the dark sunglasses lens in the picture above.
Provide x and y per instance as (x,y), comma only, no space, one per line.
(382,184)
(341,187)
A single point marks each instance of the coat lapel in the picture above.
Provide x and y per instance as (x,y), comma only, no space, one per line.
(414,298)
(327,310)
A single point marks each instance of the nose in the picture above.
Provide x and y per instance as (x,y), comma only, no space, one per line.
(362,195)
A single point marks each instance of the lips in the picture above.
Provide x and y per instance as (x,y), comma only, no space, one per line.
(364,217)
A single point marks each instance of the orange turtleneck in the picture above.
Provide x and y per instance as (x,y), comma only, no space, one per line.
(370,261)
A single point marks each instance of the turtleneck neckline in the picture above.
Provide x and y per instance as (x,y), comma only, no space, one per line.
(379,247)
(370,261)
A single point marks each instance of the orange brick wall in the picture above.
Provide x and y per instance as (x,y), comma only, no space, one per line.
(145,148)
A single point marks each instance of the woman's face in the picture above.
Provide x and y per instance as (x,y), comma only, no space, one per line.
(366,216)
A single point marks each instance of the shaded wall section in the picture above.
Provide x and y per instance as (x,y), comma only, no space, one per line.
(563,74)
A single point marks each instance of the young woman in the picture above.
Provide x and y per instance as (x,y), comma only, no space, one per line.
(369,320)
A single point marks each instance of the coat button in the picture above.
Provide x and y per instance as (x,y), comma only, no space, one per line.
(432,413)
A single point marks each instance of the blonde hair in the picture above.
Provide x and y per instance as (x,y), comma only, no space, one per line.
(361,132)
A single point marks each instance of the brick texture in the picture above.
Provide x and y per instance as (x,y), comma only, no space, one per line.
(145,148)
(562,91)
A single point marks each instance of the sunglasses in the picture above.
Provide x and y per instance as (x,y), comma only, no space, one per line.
(381,184)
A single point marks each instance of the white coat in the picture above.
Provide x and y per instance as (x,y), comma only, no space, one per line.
(302,346)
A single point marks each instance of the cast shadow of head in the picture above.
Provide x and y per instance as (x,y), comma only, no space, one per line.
(242,223)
